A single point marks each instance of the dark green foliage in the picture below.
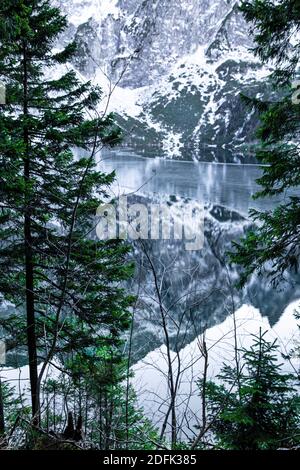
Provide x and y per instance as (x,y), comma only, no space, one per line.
(65,284)
(264,413)
(273,248)
(272,24)
(12,406)
(110,414)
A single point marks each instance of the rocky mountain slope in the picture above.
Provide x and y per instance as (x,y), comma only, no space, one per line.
(173,71)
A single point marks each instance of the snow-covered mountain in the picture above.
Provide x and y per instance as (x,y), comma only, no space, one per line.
(175,70)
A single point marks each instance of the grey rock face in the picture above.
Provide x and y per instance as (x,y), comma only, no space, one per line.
(191,58)
(156,32)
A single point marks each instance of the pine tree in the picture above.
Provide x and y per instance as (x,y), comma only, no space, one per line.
(274,247)
(64,282)
(265,412)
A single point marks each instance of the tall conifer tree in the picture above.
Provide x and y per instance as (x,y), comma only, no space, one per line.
(264,411)
(274,247)
(64,283)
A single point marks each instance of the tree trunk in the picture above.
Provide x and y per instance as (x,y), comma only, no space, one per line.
(29,272)
(2,422)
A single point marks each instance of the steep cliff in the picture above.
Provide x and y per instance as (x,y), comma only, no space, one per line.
(176,69)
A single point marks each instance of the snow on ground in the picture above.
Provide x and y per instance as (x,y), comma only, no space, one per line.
(172,144)
(125,101)
(80,11)
(189,75)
